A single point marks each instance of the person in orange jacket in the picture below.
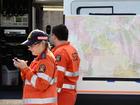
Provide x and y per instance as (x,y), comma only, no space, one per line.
(40,77)
(68,61)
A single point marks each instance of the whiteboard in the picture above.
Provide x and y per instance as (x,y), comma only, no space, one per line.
(109,47)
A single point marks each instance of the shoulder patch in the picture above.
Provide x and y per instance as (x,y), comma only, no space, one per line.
(58,58)
(42,68)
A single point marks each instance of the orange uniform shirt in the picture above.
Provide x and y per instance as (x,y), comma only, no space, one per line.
(68,62)
(40,81)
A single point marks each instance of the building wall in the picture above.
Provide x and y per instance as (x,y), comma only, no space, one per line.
(52,18)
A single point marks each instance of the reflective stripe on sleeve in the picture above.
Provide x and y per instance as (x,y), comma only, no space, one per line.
(61,68)
(47,78)
(39,100)
(71,74)
(69,86)
(27,82)
(33,80)
(66,86)
(44,76)
(54,80)
(58,90)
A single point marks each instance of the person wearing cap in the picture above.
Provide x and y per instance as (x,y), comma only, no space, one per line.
(67,61)
(40,77)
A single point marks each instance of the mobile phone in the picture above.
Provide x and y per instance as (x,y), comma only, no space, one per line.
(16,59)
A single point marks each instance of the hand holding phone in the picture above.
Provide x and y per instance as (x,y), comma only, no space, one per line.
(20,63)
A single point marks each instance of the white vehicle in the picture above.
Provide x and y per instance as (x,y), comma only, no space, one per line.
(98,21)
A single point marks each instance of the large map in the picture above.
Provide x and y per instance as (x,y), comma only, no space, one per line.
(109,46)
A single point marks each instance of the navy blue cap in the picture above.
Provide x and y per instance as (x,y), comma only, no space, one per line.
(34,37)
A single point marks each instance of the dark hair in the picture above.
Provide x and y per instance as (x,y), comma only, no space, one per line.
(60,31)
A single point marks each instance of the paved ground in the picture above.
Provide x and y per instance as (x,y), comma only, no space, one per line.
(11,102)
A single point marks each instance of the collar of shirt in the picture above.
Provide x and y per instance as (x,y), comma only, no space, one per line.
(67,43)
(42,55)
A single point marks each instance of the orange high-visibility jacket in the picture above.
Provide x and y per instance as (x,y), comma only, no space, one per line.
(40,81)
(68,61)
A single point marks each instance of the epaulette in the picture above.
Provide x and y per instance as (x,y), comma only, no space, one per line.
(43,55)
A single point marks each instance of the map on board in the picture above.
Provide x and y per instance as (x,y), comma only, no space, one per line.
(109,46)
